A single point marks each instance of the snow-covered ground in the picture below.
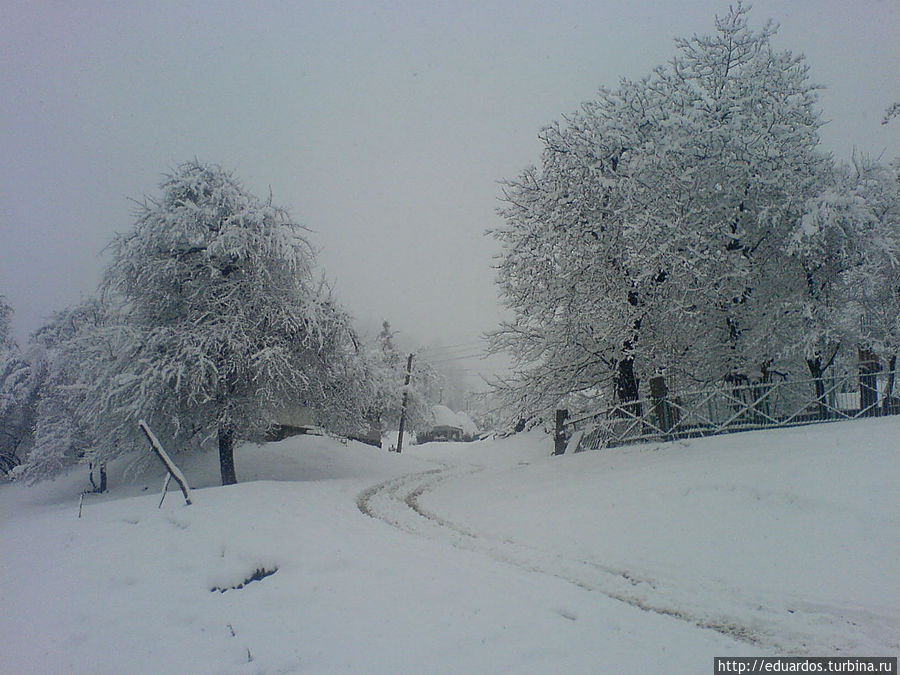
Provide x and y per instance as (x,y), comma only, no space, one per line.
(482,557)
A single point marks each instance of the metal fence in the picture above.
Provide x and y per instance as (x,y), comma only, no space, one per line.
(731,408)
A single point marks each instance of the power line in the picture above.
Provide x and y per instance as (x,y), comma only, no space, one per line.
(446,353)
(461,344)
(461,357)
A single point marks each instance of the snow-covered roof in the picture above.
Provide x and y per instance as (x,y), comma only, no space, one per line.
(444,417)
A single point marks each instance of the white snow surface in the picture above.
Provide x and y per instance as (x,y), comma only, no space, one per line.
(464,557)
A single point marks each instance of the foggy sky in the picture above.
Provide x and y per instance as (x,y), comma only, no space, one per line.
(383,127)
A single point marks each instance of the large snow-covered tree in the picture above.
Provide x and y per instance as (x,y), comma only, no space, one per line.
(651,237)
(751,159)
(225,319)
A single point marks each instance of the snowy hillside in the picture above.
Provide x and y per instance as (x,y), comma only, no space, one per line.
(479,557)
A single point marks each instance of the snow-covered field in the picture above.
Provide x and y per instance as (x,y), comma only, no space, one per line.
(484,557)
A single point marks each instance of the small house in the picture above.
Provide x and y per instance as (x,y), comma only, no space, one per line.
(448,426)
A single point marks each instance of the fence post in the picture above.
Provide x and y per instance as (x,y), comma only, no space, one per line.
(559,440)
(659,393)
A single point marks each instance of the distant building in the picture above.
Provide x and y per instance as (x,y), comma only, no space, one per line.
(448,426)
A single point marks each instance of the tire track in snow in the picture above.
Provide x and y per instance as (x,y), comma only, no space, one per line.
(397,502)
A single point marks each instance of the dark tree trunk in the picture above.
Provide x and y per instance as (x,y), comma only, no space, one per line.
(659,392)
(816,371)
(102,472)
(560,440)
(627,388)
(226,455)
(868,382)
(626,382)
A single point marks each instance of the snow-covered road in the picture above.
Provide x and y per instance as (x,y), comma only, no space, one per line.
(484,557)
(424,503)
(398,502)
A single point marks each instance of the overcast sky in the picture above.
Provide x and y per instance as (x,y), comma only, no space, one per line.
(382,126)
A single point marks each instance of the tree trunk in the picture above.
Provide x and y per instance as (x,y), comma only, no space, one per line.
(659,392)
(868,382)
(102,472)
(816,371)
(226,455)
(627,387)
(626,381)
(560,440)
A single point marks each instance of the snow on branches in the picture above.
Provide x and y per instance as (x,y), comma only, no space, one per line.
(19,378)
(211,319)
(653,236)
(228,318)
(849,245)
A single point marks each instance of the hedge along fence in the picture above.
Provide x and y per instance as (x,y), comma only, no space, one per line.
(730,408)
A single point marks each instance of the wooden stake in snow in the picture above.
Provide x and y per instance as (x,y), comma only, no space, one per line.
(165,488)
(173,470)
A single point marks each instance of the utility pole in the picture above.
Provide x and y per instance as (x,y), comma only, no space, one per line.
(403,406)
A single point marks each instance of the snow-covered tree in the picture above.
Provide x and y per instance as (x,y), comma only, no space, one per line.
(848,246)
(651,238)
(823,247)
(78,350)
(223,320)
(387,368)
(6,312)
(872,313)
(17,391)
(848,243)
(754,134)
